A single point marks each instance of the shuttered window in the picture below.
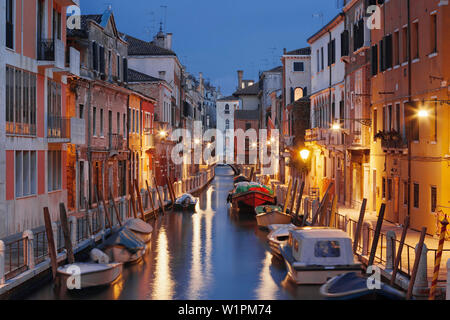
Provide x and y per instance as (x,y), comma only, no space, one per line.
(374,60)
(344,43)
(95,56)
(102,60)
(125,69)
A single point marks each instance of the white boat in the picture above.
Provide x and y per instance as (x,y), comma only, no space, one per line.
(315,255)
(269,215)
(141,229)
(123,246)
(279,235)
(91,275)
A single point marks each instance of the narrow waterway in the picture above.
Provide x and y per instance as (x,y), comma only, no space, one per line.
(210,255)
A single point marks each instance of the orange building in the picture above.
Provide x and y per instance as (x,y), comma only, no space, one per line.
(410,147)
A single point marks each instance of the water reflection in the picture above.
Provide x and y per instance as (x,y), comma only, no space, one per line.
(163,283)
(268,288)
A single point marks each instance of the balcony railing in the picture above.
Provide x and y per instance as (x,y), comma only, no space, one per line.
(391,140)
(21,129)
(46,50)
(58,127)
(115,142)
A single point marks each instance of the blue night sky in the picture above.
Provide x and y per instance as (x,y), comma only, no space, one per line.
(220,37)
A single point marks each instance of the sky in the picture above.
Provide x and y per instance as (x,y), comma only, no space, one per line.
(220,37)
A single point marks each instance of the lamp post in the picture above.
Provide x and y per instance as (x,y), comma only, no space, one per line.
(304,155)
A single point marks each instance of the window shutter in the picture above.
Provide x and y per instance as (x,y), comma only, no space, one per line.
(374,60)
(94,56)
(125,70)
(382,51)
(102,60)
(329,53)
(389,51)
(344,43)
(333,51)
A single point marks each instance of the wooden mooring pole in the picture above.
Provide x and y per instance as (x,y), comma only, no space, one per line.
(294,193)
(50,241)
(138,194)
(288,196)
(299,201)
(321,206)
(102,200)
(160,198)
(412,281)
(398,257)
(133,200)
(66,232)
(111,198)
(438,259)
(362,213)
(150,197)
(376,236)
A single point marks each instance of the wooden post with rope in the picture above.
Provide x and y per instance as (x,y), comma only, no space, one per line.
(294,193)
(133,200)
(416,264)
(438,259)
(150,197)
(376,236)
(288,195)
(139,198)
(160,198)
(50,241)
(299,201)
(398,257)
(111,199)
(362,213)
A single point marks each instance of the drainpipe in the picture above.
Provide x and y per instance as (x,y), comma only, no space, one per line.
(409,99)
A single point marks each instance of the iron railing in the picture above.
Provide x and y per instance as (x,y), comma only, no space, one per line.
(115,142)
(46,50)
(15,258)
(58,127)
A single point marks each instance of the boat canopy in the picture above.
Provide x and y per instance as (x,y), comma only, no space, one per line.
(321,246)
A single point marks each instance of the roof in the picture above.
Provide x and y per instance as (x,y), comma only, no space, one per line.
(137,47)
(251,90)
(246,114)
(136,76)
(276,69)
(299,52)
(229,98)
(329,26)
(321,233)
(82,32)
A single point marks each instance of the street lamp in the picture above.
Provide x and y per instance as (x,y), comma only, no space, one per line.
(162,133)
(304,154)
(423,113)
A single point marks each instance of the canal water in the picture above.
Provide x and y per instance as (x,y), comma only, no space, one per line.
(210,255)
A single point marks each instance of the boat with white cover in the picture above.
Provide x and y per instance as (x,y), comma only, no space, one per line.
(91,274)
(186,202)
(123,246)
(269,215)
(141,229)
(279,235)
(313,255)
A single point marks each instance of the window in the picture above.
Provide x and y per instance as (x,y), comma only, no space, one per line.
(415,40)
(81,111)
(396,48)
(55,126)
(299,66)
(318,60)
(298,94)
(54,170)
(332,52)
(389,189)
(118,67)
(374,58)
(416,195)
(248,126)
(433,199)
(345,43)
(118,122)
(56,25)
(10,24)
(405,193)
(321,59)
(227,124)
(405,44)
(397,117)
(101,122)
(384,120)
(375,124)
(25,173)
(433,35)
(94,121)
(124,126)
(389,120)
(327,249)
(227,109)
(20,102)
(384,188)
(95,65)
(125,69)
(358,34)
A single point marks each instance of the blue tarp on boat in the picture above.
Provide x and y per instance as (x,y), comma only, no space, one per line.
(125,237)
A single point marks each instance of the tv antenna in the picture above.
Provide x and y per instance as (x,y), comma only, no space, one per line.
(165,17)
(319,15)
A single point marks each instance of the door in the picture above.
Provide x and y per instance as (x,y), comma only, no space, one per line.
(374,191)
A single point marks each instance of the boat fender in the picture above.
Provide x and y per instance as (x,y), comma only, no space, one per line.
(99,256)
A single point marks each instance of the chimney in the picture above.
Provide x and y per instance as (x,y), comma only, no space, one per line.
(169,41)
(284,50)
(240,77)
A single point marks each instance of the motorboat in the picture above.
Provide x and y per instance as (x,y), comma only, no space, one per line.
(186,202)
(141,229)
(313,255)
(123,246)
(278,236)
(96,273)
(353,286)
(247,196)
(268,215)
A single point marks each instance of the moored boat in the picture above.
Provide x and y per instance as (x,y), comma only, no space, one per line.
(353,286)
(278,236)
(186,202)
(123,246)
(268,215)
(141,229)
(90,275)
(315,255)
(247,196)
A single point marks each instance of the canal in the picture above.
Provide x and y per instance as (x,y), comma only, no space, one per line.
(210,255)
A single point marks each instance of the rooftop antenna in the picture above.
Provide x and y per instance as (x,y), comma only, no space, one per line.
(319,15)
(108,6)
(165,17)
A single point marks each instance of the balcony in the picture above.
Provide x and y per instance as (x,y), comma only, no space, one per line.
(391,141)
(50,53)
(149,140)
(58,129)
(73,61)
(115,142)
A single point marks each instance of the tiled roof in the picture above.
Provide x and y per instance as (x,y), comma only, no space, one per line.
(230,98)
(246,114)
(136,76)
(251,90)
(137,47)
(82,32)
(299,52)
